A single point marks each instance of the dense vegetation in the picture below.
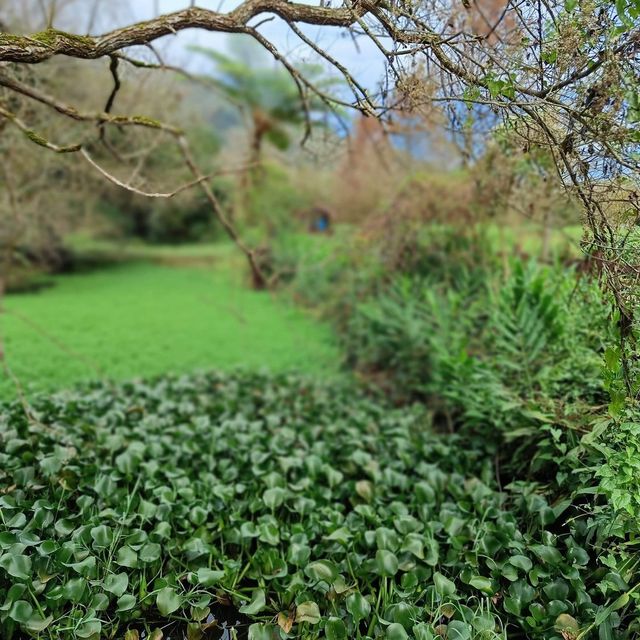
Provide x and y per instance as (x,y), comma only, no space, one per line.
(495,498)
(332,510)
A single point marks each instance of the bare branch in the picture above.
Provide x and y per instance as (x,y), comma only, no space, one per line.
(52,42)
(35,137)
(147,194)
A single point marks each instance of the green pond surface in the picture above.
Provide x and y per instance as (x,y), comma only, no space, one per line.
(145,319)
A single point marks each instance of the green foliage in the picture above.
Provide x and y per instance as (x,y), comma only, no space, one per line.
(186,217)
(345,516)
(516,354)
(619,475)
(271,207)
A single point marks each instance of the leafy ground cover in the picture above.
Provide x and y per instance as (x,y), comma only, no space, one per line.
(142,318)
(315,510)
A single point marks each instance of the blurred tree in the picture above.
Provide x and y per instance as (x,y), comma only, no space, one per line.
(268,94)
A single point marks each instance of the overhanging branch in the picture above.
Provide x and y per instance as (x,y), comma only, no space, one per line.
(51,42)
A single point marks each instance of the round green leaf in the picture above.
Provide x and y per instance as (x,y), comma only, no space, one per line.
(168,601)
(127,602)
(335,629)
(386,563)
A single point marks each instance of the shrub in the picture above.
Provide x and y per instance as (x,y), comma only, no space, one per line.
(516,355)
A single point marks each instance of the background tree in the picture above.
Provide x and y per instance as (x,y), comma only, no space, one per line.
(266,93)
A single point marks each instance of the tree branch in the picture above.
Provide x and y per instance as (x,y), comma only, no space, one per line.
(52,42)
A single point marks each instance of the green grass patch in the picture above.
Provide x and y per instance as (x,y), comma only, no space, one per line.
(141,319)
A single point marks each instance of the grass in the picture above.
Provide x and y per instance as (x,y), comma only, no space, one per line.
(144,319)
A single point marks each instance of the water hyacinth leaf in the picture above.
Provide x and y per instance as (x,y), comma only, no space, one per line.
(432,555)
(483,622)
(358,606)
(448,610)
(209,577)
(386,538)
(298,554)
(102,536)
(404,614)
(47,547)
(37,623)
(86,567)
(64,527)
(17,521)
(547,554)
(198,614)
(285,621)
(513,606)
(414,544)
(194,631)
(162,530)
(256,605)
(340,586)
(364,488)
(150,552)
(482,584)
(459,630)
(269,533)
(126,602)
(7,539)
(395,631)
(168,601)
(259,631)
(335,629)
(322,570)
(249,530)
(127,557)
(274,498)
(556,590)
(89,629)
(308,612)
(73,590)
(198,515)
(21,611)
(16,565)
(386,563)
(341,535)
(567,625)
(421,631)
(443,585)
(521,562)
(15,593)
(100,601)
(116,583)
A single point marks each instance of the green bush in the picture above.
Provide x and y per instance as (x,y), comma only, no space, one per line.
(511,355)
